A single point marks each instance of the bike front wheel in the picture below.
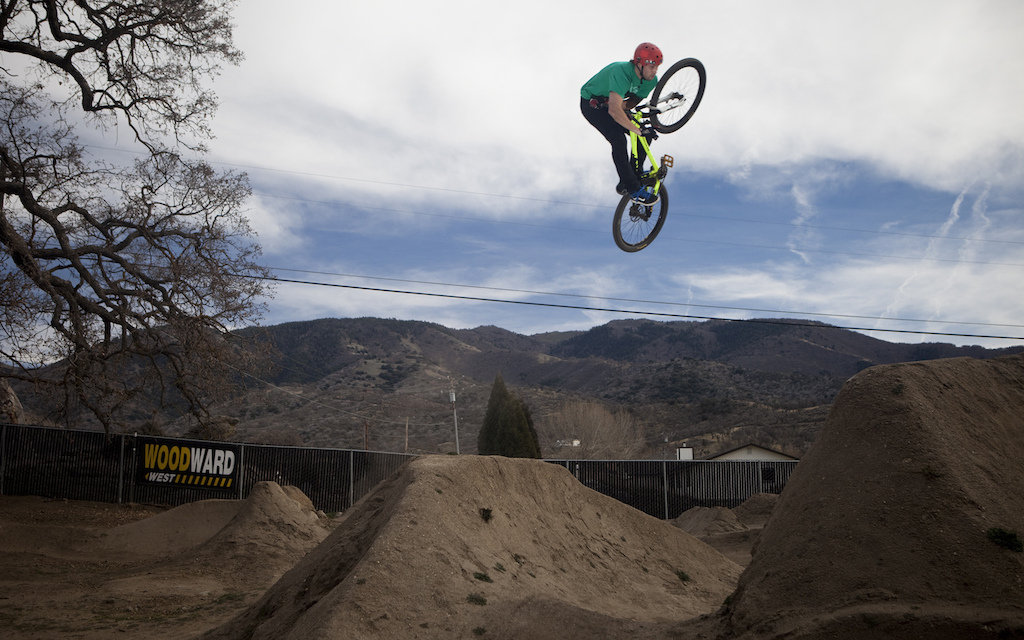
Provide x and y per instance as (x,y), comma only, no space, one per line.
(635,225)
(677,95)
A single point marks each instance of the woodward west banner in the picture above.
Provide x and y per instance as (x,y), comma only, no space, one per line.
(192,464)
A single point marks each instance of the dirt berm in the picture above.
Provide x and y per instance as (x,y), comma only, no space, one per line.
(456,547)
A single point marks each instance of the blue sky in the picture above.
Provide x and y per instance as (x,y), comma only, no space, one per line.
(856,163)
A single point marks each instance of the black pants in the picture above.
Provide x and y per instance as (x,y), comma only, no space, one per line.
(618,137)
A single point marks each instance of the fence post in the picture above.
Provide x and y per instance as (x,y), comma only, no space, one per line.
(351,477)
(241,470)
(664,484)
(120,472)
(3,457)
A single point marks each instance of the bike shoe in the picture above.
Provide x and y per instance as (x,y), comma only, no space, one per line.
(644,196)
(621,190)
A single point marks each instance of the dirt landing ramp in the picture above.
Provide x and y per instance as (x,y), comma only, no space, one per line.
(882,529)
(167,533)
(267,534)
(274,527)
(476,546)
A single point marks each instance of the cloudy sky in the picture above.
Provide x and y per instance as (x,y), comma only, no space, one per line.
(858,163)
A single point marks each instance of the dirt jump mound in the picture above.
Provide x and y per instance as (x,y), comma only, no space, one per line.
(732,532)
(274,527)
(457,546)
(885,529)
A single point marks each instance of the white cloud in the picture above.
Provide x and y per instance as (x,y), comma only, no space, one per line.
(402,116)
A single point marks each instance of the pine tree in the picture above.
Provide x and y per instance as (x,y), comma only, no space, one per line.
(534,440)
(508,427)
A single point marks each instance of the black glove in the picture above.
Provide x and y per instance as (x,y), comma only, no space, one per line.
(649,133)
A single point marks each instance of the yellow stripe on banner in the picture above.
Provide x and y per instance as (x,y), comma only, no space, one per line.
(229,482)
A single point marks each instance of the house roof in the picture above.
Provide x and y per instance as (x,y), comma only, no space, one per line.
(749,444)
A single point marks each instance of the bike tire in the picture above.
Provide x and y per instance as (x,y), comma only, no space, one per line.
(684,81)
(636,226)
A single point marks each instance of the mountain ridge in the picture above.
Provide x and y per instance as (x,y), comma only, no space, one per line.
(712,384)
(387,384)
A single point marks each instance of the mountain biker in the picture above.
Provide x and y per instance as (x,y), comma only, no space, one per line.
(605,100)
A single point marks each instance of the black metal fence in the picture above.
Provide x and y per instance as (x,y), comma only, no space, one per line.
(88,465)
(666,488)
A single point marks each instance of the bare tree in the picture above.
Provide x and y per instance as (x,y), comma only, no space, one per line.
(130,277)
(588,430)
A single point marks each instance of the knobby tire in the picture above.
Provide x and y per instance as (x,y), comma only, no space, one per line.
(635,226)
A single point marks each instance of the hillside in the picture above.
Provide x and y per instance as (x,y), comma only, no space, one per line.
(385,384)
(713,385)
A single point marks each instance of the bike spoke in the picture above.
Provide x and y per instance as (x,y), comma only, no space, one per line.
(677,95)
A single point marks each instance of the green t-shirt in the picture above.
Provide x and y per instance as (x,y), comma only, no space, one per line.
(620,78)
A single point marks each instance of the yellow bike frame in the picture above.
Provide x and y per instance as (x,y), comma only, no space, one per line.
(639,142)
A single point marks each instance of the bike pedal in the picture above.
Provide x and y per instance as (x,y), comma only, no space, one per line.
(667,160)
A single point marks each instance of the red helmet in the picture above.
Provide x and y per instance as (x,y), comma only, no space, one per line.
(647,53)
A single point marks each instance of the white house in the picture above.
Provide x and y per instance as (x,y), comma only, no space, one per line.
(750,452)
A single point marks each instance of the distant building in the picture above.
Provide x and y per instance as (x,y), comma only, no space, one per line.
(750,452)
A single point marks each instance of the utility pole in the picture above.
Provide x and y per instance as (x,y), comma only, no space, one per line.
(455,414)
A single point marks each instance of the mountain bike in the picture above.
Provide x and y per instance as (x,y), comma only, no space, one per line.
(672,104)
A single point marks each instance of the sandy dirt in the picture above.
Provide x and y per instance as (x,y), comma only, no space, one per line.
(94,570)
(880,533)
(731,532)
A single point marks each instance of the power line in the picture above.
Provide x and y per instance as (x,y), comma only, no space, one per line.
(626,311)
(642,301)
(631,311)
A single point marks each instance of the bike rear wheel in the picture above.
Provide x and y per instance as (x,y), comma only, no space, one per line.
(678,93)
(635,225)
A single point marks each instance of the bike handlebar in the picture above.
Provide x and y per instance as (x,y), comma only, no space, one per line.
(647,109)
